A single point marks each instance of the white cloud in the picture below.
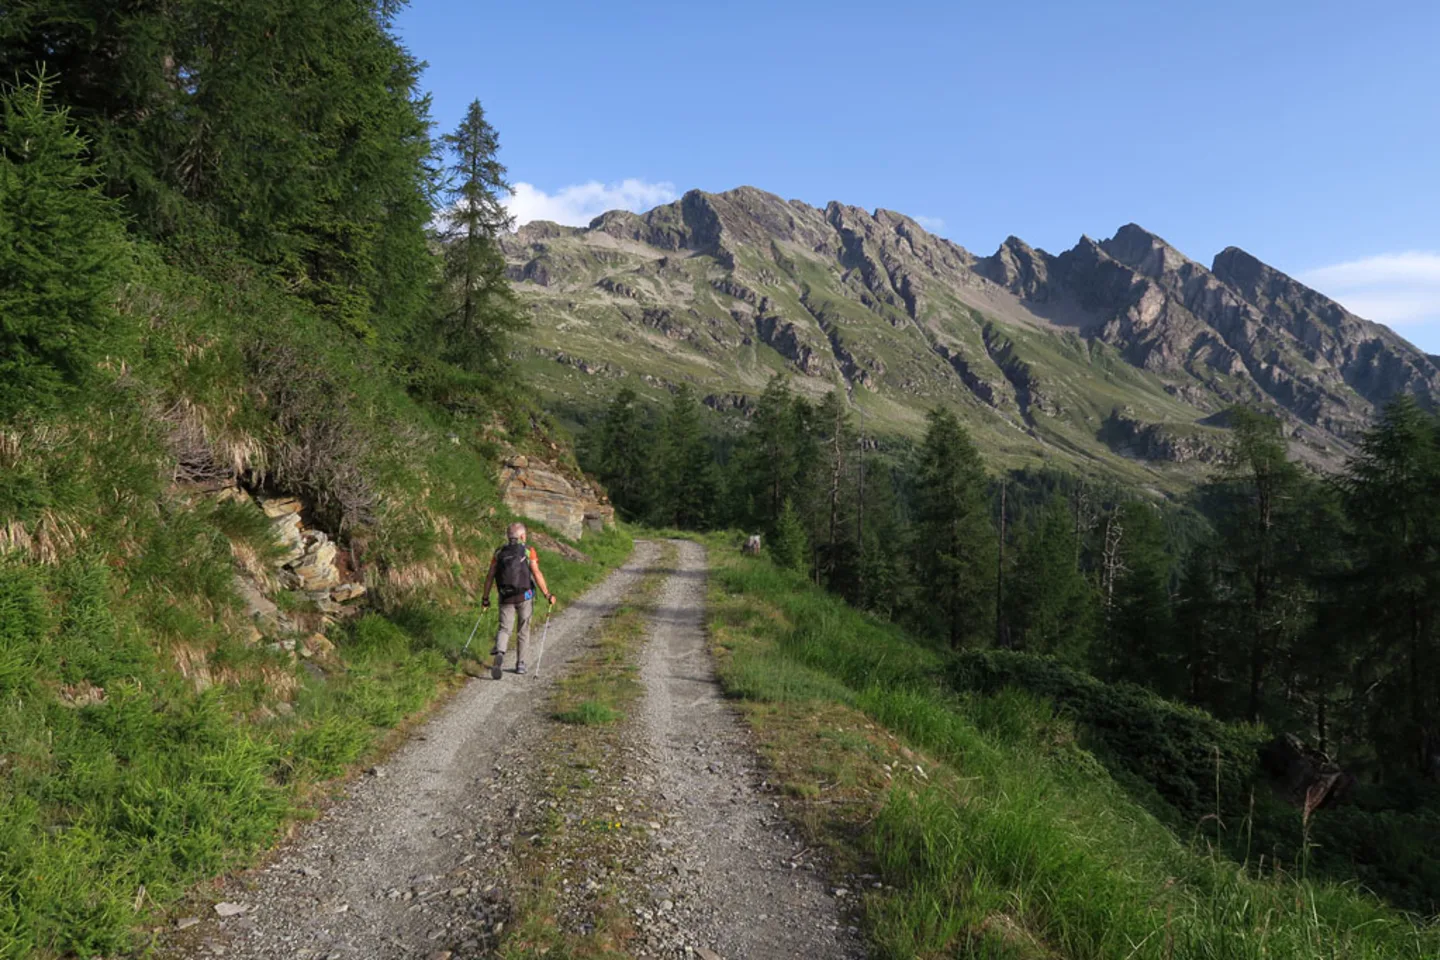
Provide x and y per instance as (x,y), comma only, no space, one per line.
(578,204)
(1392,288)
(933,224)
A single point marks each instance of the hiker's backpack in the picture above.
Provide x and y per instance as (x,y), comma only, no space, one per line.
(512,570)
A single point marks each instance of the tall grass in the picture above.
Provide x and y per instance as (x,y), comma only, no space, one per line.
(1021,844)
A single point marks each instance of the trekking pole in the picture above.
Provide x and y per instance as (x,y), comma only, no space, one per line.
(473,631)
(543,634)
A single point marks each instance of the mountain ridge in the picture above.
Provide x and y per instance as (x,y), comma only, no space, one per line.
(1038,350)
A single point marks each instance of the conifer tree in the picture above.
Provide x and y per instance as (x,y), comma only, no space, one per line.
(789,547)
(292,132)
(954,541)
(1261,507)
(835,495)
(688,480)
(1139,643)
(1050,603)
(1392,495)
(477,305)
(62,258)
(1204,629)
(624,458)
(769,454)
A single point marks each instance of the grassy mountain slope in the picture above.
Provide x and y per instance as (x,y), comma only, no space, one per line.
(1114,357)
(979,821)
(152,733)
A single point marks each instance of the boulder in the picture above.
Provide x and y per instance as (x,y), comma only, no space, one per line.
(277,507)
(290,537)
(316,569)
(323,603)
(316,646)
(347,592)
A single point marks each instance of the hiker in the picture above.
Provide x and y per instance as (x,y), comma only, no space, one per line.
(515,570)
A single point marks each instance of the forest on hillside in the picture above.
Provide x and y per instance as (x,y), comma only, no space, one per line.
(1273,598)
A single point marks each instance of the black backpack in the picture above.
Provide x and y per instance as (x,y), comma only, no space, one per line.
(512,570)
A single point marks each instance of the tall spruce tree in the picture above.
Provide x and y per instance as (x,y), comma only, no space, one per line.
(62,259)
(1139,643)
(625,455)
(768,454)
(289,131)
(1260,506)
(688,480)
(954,540)
(1204,629)
(1392,495)
(835,489)
(477,306)
(1050,604)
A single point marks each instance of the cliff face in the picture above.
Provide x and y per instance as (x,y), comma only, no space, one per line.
(1036,350)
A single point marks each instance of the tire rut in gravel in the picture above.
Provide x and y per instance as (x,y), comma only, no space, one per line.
(733,888)
(406,864)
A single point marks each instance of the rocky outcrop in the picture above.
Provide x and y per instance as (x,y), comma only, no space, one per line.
(1157,442)
(308,563)
(539,491)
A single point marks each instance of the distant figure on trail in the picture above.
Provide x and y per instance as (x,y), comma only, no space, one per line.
(515,569)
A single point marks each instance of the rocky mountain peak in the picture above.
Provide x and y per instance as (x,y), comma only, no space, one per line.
(1144,252)
(1019,268)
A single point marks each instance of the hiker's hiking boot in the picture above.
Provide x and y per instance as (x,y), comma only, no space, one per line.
(497,668)
(520,668)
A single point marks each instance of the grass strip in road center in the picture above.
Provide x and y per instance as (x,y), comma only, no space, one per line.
(587,827)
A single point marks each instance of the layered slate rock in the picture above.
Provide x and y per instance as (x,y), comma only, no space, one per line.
(539,491)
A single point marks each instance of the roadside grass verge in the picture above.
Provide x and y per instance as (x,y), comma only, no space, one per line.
(561,911)
(990,831)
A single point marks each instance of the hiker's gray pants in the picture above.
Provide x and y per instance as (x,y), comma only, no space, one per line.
(510,613)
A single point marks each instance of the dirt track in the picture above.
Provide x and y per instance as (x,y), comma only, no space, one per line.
(412,862)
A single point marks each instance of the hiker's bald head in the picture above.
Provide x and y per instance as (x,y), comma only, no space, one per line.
(516,532)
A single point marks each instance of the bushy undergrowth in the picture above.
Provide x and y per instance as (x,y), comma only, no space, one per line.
(145,742)
(1022,844)
(1185,755)
(1200,776)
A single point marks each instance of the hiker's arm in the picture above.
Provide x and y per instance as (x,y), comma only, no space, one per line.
(540,577)
(489,579)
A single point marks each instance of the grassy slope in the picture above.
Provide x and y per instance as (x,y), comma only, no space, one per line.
(145,742)
(986,830)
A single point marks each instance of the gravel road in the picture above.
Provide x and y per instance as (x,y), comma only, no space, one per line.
(364,880)
(735,889)
(418,859)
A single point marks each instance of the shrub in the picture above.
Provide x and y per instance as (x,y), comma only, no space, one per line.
(1185,755)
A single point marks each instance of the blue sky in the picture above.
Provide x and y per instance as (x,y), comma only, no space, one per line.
(1306,132)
